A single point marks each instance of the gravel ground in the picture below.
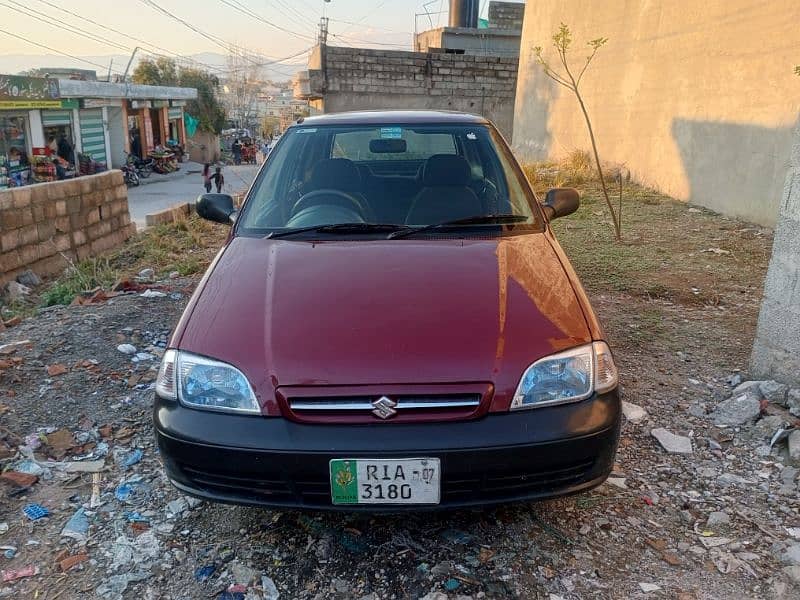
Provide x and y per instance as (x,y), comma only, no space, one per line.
(722,522)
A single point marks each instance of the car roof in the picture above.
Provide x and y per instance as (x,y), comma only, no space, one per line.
(393,117)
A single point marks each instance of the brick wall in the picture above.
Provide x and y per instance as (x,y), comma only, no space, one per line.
(360,78)
(42,224)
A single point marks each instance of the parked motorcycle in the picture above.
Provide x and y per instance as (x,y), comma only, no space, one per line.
(143,166)
(130,174)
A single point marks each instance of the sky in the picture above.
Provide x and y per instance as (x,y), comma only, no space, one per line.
(370,23)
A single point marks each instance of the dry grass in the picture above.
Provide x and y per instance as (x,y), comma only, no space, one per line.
(186,246)
(667,249)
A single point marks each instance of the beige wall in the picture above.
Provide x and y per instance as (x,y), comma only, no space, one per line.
(697,99)
(46,225)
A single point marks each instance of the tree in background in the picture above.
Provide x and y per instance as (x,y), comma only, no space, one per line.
(562,41)
(207,109)
(242,89)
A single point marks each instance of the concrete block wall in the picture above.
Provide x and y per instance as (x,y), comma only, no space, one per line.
(360,78)
(776,352)
(43,225)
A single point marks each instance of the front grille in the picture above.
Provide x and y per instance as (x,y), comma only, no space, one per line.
(385,407)
(313,489)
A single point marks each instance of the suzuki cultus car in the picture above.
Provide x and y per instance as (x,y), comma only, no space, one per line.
(391,324)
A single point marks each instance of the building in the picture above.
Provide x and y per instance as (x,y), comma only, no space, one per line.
(500,35)
(85,122)
(448,77)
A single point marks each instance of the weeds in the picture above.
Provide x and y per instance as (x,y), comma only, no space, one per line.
(185,246)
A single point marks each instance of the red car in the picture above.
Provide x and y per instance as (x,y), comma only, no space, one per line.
(391,324)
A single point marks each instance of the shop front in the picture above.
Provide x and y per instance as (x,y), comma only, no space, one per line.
(15,146)
(37,140)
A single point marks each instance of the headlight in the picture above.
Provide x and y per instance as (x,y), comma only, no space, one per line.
(200,382)
(569,376)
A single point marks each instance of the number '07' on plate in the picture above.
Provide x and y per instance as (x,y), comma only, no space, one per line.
(385,481)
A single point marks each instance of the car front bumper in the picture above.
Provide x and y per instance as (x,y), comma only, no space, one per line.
(499,458)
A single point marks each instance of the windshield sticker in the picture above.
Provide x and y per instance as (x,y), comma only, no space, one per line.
(472,136)
(391,133)
(307,130)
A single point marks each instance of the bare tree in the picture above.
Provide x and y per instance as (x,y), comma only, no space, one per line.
(562,41)
(242,88)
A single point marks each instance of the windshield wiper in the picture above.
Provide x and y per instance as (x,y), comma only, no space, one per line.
(341,228)
(474,220)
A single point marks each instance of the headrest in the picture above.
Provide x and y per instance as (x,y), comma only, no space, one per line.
(445,170)
(337,174)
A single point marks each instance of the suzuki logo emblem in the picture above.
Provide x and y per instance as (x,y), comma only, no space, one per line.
(384,408)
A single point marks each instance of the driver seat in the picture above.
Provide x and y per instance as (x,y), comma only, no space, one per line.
(340,174)
(446,194)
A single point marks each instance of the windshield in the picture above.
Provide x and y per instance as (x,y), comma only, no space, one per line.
(405,176)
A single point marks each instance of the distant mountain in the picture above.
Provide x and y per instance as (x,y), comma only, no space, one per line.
(16,63)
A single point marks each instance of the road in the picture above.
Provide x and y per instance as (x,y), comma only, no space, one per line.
(181,187)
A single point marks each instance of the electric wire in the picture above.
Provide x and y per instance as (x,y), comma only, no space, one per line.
(83,60)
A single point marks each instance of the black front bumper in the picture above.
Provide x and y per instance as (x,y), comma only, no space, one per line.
(500,458)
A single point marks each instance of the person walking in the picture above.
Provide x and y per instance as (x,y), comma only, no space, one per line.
(207,177)
(236,148)
(218,178)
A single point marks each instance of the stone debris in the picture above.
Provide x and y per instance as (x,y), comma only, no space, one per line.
(672,443)
(794,447)
(738,410)
(29,279)
(634,413)
(16,292)
(774,391)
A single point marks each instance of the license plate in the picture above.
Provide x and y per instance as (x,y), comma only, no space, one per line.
(380,481)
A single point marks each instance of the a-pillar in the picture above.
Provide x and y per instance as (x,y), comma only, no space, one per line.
(776,352)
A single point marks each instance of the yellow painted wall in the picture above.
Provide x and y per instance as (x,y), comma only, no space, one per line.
(697,99)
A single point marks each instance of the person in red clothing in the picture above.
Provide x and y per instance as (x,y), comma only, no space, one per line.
(207,177)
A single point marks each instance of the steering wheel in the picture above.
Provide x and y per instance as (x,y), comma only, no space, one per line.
(339,198)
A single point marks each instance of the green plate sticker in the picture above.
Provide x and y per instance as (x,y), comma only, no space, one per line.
(391,133)
(344,482)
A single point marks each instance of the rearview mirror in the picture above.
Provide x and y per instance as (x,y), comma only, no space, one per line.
(387,146)
(216,207)
(560,202)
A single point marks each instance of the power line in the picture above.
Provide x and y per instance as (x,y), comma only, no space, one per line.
(229,47)
(294,14)
(349,39)
(221,43)
(246,11)
(371,26)
(83,60)
(43,18)
(367,15)
(134,38)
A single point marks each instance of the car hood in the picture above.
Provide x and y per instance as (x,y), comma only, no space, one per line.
(300,313)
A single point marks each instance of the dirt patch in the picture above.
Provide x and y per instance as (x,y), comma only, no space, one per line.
(645,534)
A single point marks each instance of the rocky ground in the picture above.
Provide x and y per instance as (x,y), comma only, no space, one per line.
(711,511)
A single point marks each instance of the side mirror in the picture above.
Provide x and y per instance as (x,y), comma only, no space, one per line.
(216,207)
(560,202)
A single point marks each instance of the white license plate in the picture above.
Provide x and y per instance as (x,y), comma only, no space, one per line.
(383,481)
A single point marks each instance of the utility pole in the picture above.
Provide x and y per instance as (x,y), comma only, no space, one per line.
(125,75)
(322,39)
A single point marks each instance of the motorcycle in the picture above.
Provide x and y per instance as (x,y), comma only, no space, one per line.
(143,166)
(131,175)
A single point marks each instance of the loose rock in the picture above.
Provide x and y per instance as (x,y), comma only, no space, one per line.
(672,443)
(774,391)
(634,413)
(736,411)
